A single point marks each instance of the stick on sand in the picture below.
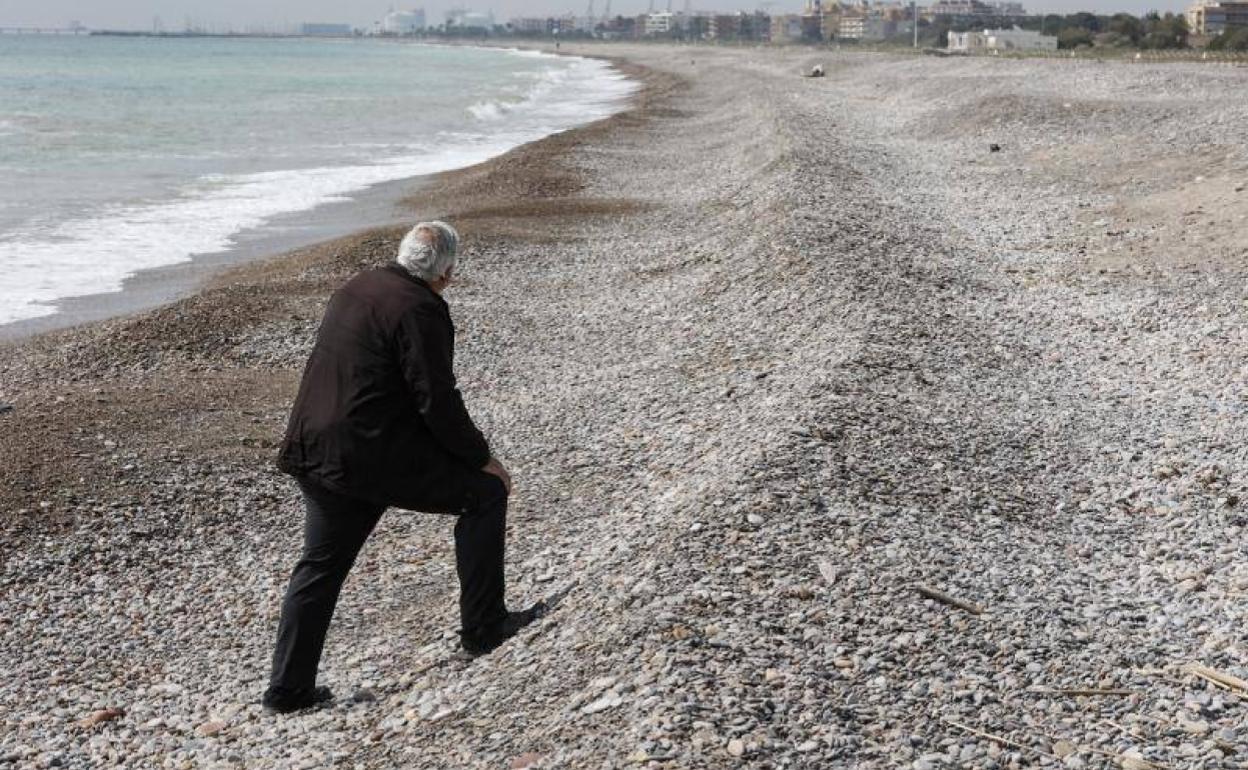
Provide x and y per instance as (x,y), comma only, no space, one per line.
(952,601)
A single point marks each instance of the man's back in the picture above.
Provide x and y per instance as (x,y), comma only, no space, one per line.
(379,422)
(378,414)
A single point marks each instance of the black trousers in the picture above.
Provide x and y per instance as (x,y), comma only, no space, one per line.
(335,529)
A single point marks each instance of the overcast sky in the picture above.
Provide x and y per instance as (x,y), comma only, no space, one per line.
(139,14)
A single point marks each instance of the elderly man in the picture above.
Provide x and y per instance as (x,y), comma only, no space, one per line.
(380,422)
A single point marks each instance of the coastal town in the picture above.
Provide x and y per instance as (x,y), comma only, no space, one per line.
(959,26)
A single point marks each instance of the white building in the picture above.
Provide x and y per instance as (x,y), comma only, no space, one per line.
(458,17)
(661,23)
(1001,40)
(853,27)
(404,22)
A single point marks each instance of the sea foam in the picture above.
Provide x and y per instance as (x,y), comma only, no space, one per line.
(96,252)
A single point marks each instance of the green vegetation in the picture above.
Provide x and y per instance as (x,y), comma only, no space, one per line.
(1153,31)
(1231,40)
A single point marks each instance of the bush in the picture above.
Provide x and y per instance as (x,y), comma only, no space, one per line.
(1234,39)
(1073,37)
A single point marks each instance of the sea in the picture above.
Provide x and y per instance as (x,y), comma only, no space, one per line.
(122,154)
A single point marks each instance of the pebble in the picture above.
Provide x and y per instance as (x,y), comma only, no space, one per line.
(209,729)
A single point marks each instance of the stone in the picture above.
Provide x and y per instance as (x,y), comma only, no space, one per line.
(736,747)
(209,729)
(607,700)
(99,717)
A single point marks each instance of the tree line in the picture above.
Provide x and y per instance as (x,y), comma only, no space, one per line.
(1152,31)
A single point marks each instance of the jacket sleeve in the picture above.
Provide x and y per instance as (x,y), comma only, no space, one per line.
(426,345)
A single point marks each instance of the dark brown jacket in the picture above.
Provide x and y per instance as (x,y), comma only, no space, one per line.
(378,415)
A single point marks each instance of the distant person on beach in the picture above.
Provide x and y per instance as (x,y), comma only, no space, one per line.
(379,422)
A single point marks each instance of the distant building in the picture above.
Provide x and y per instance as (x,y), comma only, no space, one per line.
(327,30)
(1001,40)
(864,21)
(1211,17)
(696,26)
(883,28)
(660,24)
(403,22)
(831,24)
(786,28)
(756,27)
(550,25)
(745,27)
(852,26)
(618,28)
(465,19)
(967,42)
(972,9)
(528,25)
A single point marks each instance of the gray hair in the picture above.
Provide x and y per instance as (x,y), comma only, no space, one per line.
(428,250)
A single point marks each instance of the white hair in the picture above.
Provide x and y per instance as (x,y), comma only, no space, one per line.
(428,250)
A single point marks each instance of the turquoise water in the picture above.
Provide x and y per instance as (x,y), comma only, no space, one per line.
(120,154)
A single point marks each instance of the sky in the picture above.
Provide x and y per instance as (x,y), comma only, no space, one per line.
(242,14)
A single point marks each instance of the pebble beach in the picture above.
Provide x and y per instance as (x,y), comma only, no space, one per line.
(841,439)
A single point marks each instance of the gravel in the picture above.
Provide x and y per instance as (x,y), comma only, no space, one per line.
(764,355)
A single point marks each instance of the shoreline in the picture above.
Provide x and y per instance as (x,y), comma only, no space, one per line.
(374,207)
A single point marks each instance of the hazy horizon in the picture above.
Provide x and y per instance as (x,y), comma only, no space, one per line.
(239,15)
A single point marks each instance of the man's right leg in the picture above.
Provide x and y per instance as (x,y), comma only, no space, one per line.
(334,531)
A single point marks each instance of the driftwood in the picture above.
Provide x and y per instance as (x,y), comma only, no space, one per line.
(952,601)
(1082,691)
(1219,678)
(996,738)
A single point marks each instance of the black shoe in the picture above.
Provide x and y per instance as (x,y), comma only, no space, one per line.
(484,642)
(278,701)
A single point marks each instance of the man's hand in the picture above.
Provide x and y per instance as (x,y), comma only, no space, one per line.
(496,468)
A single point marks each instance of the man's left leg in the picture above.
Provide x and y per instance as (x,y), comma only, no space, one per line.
(479,500)
(335,529)
(480,542)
